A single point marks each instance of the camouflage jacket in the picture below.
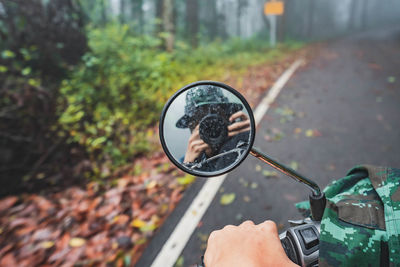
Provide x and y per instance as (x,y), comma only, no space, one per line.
(361,222)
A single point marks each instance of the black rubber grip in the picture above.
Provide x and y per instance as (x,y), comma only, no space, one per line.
(289,249)
(317,205)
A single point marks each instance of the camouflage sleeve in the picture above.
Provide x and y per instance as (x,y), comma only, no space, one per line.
(361,222)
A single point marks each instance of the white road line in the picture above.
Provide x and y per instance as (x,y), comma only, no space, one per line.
(186,226)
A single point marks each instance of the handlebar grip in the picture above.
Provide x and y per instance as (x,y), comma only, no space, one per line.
(289,249)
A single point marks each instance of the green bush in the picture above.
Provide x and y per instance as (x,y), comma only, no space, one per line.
(117,94)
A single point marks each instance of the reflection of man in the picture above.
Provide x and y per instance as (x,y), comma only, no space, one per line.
(216,126)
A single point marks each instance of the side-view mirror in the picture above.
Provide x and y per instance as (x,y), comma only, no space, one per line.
(207,128)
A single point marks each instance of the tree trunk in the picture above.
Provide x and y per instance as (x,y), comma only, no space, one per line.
(137,14)
(192,21)
(352,23)
(212,16)
(103,12)
(310,19)
(281,20)
(159,15)
(365,10)
(122,11)
(168,24)
(241,4)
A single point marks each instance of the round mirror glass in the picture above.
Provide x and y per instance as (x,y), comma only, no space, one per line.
(207,128)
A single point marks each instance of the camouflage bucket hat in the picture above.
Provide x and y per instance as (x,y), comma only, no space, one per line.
(201,96)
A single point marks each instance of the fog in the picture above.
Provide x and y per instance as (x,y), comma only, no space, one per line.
(302,20)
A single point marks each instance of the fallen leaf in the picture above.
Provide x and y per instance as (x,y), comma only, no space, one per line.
(301,114)
(40,176)
(317,133)
(123,182)
(179,262)
(41,234)
(294,165)
(331,167)
(151,184)
(267,173)
(313,133)
(121,219)
(8,260)
(203,237)
(391,79)
(227,199)
(309,133)
(375,66)
(7,203)
(267,138)
(278,136)
(297,130)
(243,182)
(47,244)
(138,223)
(290,197)
(76,242)
(148,227)
(127,260)
(141,241)
(253,185)
(258,168)
(246,199)
(238,216)
(185,180)
(286,114)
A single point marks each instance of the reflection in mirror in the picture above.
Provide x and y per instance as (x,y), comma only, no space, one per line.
(207,129)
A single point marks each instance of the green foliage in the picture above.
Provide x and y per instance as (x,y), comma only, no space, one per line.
(40,43)
(117,93)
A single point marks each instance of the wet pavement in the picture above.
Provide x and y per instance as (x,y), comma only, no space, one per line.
(340,110)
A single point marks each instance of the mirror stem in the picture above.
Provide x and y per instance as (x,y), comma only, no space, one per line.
(286,170)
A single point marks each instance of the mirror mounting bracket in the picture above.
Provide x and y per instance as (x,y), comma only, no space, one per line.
(317,198)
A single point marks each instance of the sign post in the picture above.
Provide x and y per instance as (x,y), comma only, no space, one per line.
(271,10)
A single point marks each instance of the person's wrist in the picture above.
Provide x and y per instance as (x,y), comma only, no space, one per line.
(233,261)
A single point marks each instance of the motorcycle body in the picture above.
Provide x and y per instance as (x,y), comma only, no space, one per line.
(207,129)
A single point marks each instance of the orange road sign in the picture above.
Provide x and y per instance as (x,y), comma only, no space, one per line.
(274,8)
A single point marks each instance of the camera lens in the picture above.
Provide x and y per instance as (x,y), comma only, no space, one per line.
(213,130)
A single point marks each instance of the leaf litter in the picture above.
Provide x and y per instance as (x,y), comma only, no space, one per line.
(92,225)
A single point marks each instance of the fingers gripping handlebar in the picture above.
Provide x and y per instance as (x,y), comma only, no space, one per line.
(300,242)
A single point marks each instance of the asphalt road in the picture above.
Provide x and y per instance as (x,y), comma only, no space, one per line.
(348,97)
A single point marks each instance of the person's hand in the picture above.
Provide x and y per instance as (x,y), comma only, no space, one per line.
(238,127)
(246,245)
(195,147)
